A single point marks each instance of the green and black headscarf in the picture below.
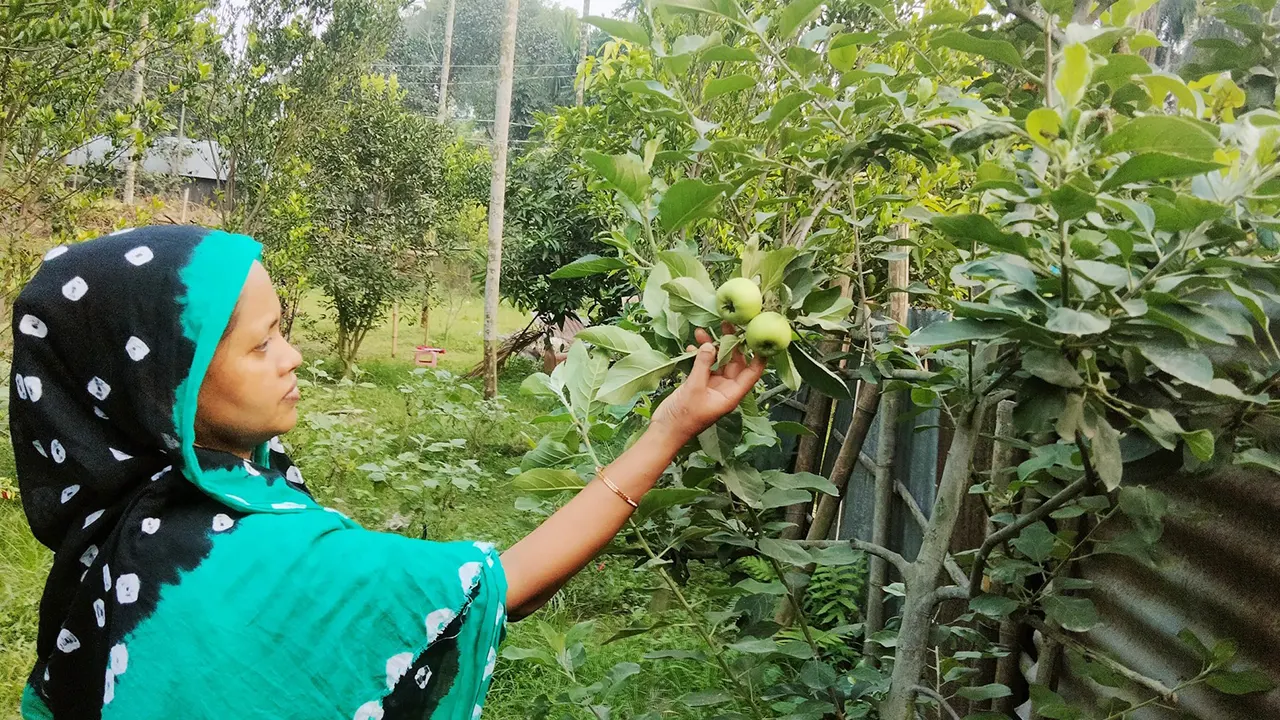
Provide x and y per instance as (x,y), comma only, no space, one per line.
(191,583)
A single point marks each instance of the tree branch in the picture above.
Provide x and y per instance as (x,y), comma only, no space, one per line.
(937,697)
(897,561)
(953,569)
(1137,678)
(1012,529)
(950,592)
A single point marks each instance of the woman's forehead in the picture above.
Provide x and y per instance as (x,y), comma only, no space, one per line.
(258,302)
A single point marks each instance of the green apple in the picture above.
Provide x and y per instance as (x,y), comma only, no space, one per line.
(769,334)
(738,301)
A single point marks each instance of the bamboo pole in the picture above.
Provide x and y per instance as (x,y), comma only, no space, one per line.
(899,278)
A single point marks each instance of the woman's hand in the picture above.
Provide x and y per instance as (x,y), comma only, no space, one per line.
(706,396)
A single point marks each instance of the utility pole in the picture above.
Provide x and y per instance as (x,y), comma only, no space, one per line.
(582,49)
(442,111)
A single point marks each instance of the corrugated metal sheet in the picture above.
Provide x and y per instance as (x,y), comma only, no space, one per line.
(915,465)
(1217,573)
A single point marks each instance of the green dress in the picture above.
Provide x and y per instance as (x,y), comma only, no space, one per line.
(191,583)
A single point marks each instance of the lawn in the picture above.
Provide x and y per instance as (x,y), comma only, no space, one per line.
(442,456)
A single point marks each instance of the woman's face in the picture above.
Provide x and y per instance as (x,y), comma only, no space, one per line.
(250,392)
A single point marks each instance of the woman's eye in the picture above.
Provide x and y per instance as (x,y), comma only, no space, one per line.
(262,347)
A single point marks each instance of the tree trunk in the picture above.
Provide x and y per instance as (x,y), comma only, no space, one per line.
(139,77)
(442,110)
(582,50)
(864,413)
(886,446)
(498,196)
(922,575)
(426,319)
(817,413)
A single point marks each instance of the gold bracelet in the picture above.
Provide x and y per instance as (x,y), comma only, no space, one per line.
(616,490)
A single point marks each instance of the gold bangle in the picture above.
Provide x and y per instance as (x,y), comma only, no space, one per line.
(616,490)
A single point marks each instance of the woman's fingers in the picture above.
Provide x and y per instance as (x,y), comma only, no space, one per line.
(701,371)
(749,376)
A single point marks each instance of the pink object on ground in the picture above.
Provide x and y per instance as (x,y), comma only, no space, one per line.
(424,356)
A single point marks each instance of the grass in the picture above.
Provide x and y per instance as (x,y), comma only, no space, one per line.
(392,409)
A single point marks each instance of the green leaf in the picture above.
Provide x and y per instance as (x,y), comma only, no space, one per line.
(755,587)
(842,51)
(588,265)
(705,698)
(755,646)
(628,31)
(547,481)
(1187,365)
(1073,73)
(796,14)
(951,332)
(1162,134)
(786,370)
(659,499)
(549,452)
(1043,125)
(726,85)
(979,228)
(692,300)
(774,267)
(1071,202)
(800,480)
(944,16)
(837,555)
(1160,425)
(683,263)
(584,372)
(782,497)
(539,385)
(1036,541)
(1243,682)
(637,372)
(1072,613)
(1200,443)
(745,483)
(1258,458)
(1157,166)
(1161,85)
(1076,322)
(613,338)
(728,53)
(1052,367)
(1107,459)
(688,200)
(976,137)
(1103,273)
(625,172)
(781,110)
(728,343)
(996,606)
(989,691)
(787,551)
(1000,50)
(818,375)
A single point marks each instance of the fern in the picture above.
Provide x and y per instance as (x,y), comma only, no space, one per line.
(834,593)
(756,568)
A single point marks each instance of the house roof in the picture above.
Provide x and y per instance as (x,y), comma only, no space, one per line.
(187,157)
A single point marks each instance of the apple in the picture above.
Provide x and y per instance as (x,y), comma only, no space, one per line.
(738,301)
(768,334)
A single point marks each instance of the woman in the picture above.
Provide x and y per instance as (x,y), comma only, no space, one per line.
(194,575)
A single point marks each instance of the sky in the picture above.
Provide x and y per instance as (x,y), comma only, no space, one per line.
(605,8)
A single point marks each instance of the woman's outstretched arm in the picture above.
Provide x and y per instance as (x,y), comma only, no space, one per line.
(564,543)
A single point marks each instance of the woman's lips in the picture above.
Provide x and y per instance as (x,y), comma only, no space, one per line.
(293,395)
